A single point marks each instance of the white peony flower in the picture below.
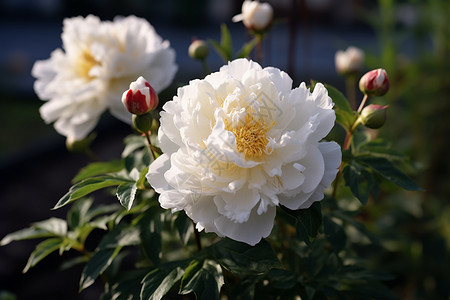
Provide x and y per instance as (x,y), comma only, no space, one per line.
(97,64)
(255,15)
(241,142)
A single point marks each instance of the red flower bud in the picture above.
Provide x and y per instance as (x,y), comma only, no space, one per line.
(140,98)
(374,83)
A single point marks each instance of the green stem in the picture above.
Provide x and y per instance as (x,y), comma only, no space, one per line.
(350,81)
(259,50)
(150,146)
(205,67)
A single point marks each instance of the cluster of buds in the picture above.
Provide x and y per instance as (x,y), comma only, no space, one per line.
(140,99)
(373,83)
(350,61)
(256,16)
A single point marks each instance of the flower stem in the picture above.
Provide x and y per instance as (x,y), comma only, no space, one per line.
(259,50)
(361,106)
(197,237)
(152,149)
(205,67)
(350,87)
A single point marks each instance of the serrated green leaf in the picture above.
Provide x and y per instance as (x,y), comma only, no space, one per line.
(96,265)
(158,282)
(243,259)
(205,279)
(88,186)
(99,168)
(126,193)
(46,228)
(42,250)
(386,169)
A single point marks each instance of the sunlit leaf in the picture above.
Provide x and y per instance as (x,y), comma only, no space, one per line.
(99,168)
(42,250)
(157,283)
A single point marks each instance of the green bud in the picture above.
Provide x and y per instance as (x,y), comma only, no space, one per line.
(143,123)
(373,116)
(198,50)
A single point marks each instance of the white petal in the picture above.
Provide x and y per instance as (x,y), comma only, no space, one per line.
(250,232)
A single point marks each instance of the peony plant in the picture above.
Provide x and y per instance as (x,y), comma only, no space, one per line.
(244,187)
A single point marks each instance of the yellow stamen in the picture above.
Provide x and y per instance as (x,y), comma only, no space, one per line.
(251,138)
(85,63)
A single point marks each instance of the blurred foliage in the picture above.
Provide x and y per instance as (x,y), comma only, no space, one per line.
(415,227)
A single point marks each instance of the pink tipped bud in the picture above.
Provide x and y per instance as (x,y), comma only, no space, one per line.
(374,83)
(140,98)
(256,16)
(373,116)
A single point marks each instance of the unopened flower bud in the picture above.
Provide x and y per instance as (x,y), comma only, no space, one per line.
(373,116)
(256,16)
(198,50)
(350,61)
(374,83)
(143,123)
(140,98)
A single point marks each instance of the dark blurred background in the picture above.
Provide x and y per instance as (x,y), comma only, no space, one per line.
(409,38)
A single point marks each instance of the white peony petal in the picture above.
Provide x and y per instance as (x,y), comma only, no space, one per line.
(250,232)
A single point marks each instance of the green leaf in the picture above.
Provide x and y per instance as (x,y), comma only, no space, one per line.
(42,250)
(97,265)
(360,181)
(243,259)
(126,193)
(225,48)
(99,168)
(225,41)
(184,227)
(151,225)
(120,236)
(46,228)
(77,215)
(127,287)
(344,113)
(90,185)
(205,279)
(308,222)
(386,169)
(158,282)
(247,49)
(335,234)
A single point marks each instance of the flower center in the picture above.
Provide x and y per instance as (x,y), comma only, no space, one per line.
(251,138)
(85,63)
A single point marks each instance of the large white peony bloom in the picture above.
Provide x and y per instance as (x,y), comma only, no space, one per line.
(241,142)
(99,61)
